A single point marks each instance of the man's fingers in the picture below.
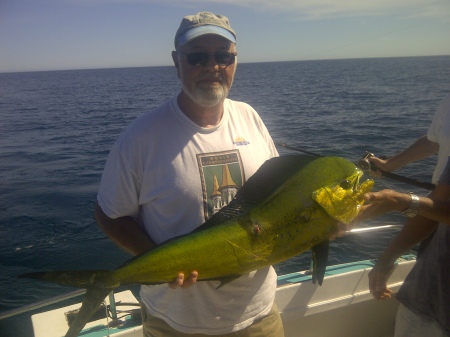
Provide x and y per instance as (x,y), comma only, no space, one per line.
(191,280)
(181,282)
(178,282)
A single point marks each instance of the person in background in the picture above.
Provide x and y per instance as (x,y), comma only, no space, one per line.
(173,168)
(425,294)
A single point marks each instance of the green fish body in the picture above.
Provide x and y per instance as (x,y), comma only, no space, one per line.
(290,205)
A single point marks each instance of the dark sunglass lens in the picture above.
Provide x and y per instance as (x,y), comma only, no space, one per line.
(197,59)
(201,59)
(224,58)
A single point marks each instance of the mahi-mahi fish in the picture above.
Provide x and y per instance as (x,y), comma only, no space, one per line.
(290,205)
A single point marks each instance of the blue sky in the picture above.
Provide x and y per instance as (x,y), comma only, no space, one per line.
(85,34)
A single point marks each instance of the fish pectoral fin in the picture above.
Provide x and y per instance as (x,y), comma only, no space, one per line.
(92,300)
(319,261)
(226,280)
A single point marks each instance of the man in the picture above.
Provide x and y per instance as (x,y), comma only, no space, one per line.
(425,294)
(177,165)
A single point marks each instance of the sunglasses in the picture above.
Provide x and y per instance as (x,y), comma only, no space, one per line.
(201,59)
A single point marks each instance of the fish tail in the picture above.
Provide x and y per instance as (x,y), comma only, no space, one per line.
(75,278)
(92,300)
(99,283)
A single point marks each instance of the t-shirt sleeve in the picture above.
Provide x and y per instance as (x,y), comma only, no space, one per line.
(118,193)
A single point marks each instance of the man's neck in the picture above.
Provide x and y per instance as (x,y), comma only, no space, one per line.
(206,117)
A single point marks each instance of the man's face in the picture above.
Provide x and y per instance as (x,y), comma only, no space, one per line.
(206,85)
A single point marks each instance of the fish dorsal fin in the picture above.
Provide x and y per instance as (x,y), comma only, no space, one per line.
(266,180)
(270,176)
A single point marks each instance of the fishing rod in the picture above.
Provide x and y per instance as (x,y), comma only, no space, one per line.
(40,304)
(365,165)
(283,144)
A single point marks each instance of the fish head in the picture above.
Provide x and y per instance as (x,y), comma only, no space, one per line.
(343,199)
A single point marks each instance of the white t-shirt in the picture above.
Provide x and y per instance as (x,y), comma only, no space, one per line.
(172,174)
(439,132)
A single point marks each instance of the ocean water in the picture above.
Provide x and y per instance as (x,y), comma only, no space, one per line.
(56,129)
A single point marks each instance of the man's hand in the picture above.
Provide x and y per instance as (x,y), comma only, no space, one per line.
(180,282)
(379,203)
(378,277)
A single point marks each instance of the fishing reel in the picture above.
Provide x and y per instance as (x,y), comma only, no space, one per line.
(364,163)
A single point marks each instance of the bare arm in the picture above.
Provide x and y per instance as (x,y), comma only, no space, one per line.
(414,231)
(385,201)
(125,232)
(422,148)
(438,210)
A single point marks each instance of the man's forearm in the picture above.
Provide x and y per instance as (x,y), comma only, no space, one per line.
(420,149)
(436,206)
(125,232)
(435,209)
(413,232)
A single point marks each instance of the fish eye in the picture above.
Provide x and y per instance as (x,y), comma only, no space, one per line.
(346,185)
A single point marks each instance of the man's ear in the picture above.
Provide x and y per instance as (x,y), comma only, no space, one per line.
(176,62)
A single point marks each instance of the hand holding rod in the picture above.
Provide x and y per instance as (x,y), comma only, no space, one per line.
(365,165)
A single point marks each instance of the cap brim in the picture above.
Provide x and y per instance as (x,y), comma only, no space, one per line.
(194,33)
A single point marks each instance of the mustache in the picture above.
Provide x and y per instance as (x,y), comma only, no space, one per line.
(211,77)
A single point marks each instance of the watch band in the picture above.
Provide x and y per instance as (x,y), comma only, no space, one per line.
(413,208)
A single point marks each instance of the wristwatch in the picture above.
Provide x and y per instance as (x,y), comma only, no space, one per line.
(413,208)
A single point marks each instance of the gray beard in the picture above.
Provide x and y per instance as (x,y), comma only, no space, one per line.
(207,97)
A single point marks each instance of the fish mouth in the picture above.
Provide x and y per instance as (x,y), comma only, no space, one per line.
(343,200)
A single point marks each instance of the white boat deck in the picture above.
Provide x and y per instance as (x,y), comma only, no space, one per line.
(54,323)
(342,306)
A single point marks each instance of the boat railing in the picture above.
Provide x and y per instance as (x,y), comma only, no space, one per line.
(41,304)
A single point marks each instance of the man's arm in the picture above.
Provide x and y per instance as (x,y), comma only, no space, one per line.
(422,148)
(378,203)
(125,232)
(414,231)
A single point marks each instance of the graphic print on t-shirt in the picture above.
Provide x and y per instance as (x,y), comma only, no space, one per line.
(221,174)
